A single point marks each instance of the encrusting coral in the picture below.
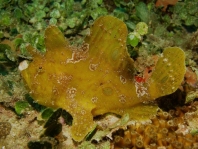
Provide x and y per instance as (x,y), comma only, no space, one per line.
(98,77)
(166,131)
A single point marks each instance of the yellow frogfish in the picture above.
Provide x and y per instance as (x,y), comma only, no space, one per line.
(98,76)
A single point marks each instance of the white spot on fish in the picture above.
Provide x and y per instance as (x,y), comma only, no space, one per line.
(55,91)
(93,67)
(122,98)
(169,64)
(71,92)
(141,90)
(123,79)
(165,60)
(94,99)
(53,102)
(83,112)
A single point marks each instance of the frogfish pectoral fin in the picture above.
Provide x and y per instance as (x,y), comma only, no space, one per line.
(82,122)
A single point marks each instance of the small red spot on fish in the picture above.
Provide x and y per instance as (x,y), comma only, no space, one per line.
(139,79)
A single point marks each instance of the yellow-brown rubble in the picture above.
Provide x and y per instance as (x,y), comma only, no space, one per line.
(162,133)
(98,77)
(5,128)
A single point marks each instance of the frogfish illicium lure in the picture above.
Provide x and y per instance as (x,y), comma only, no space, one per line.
(98,77)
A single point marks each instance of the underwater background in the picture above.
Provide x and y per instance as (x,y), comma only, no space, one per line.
(152,26)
